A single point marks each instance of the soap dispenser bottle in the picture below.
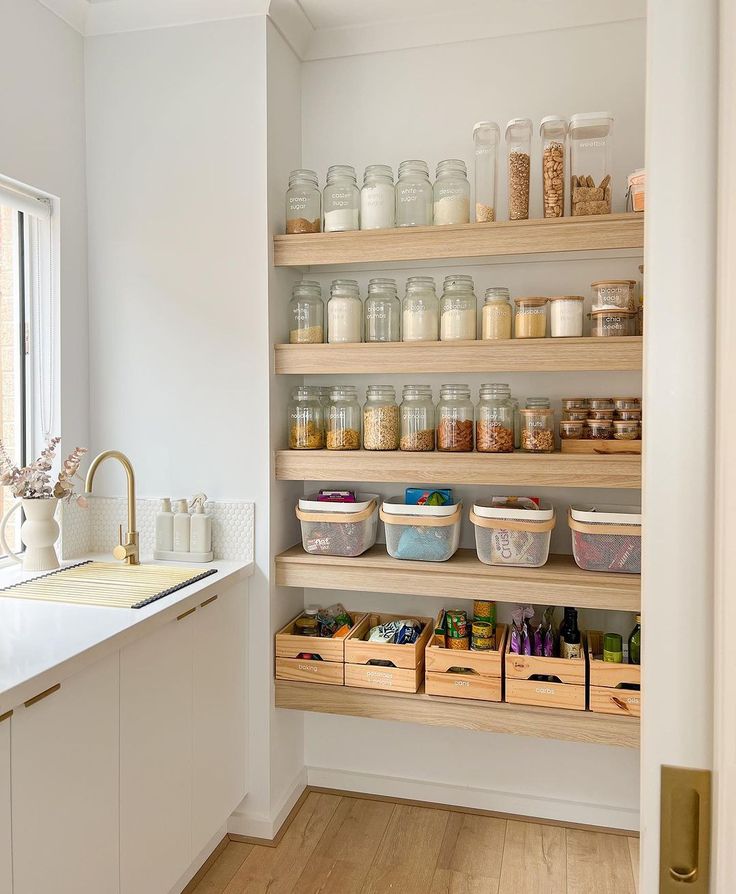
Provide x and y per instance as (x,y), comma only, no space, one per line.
(165,526)
(201,535)
(182,527)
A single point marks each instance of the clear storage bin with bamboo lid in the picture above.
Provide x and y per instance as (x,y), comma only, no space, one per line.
(496,314)
(530,319)
(613,293)
(614,323)
(513,531)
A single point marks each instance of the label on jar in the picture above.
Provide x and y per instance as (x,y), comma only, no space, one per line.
(569,650)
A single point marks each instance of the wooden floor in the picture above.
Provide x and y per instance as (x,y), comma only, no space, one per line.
(348,845)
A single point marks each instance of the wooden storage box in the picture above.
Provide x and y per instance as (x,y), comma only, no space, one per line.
(407,662)
(603,448)
(330,670)
(614,688)
(565,689)
(484,683)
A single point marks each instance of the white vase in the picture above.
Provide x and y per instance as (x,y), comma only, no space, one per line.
(39,532)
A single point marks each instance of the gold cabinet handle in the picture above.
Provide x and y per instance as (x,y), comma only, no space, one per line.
(187,613)
(208,601)
(6,716)
(41,695)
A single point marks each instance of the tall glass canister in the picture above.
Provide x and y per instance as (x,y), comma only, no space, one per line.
(518,158)
(421,311)
(417,418)
(553,131)
(378,198)
(494,427)
(343,419)
(306,314)
(303,203)
(341,199)
(590,163)
(344,313)
(413,194)
(451,193)
(382,311)
(306,419)
(458,309)
(381,418)
(486,137)
(454,416)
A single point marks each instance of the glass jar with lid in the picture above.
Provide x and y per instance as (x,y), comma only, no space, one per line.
(417,419)
(303,203)
(614,293)
(377,198)
(494,427)
(324,396)
(382,311)
(600,429)
(553,131)
(625,429)
(571,429)
(341,199)
(542,403)
(306,419)
(518,157)
(530,320)
(566,316)
(306,314)
(613,323)
(344,312)
(496,314)
(413,194)
(451,193)
(421,311)
(381,418)
(537,430)
(486,137)
(343,419)
(590,163)
(454,416)
(458,309)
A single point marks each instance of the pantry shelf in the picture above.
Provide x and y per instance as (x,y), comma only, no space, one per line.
(559,582)
(512,469)
(545,723)
(512,355)
(507,238)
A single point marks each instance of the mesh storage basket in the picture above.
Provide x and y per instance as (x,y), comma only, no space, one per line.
(606,538)
(338,529)
(516,537)
(423,536)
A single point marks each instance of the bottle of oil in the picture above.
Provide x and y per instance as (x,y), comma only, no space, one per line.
(635,643)
(570,640)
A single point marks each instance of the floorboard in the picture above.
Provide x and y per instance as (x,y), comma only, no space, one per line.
(598,862)
(534,860)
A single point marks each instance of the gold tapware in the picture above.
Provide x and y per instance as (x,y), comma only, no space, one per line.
(127,551)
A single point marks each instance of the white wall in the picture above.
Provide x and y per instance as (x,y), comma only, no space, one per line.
(42,144)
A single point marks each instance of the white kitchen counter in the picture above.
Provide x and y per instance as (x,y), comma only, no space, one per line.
(42,642)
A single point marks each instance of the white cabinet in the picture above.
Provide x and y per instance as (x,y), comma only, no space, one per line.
(156,759)
(220,697)
(64,773)
(6,862)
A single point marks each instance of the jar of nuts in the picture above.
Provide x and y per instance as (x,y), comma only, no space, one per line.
(306,419)
(553,131)
(381,418)
(454,416)
(417,418)
(343,419)
(537,430)
(494,427)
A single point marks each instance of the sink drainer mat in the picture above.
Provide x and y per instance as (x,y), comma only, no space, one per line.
(107,583)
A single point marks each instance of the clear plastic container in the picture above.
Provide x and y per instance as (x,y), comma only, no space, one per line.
(613,323)
(458,309)
(537,430)
(413,195)
(606,538)
(614,293)
(496,316)
(343,419)
(518,159)
(625,430)
(455,414)
(306,419)
(566,316)
(303,203)
(337,529)
(417,419)
(571,430)
(420,318)
(341,200)
(494,427)
(530,319)
(378,198)
(306,314)
(486,137)
(636,193)
(423,536)
(553,131)
(381,418)
(513,534)
(590,163)
(451,193)
(382,311)
(344,313)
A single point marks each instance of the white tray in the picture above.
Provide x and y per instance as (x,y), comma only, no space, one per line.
(312,504)
(543,513)
(397,506)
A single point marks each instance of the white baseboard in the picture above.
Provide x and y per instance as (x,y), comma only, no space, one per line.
(199,861)
(610,816)
(260,826)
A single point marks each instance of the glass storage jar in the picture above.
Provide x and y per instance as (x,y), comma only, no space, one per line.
(553,131)
(303,203)
(413,195)
(537,430)
(306,419)
(629,415)
(600,429)
(341,199)
(601,403)
(377,198)
(542,403)
(486,137)
(571,430)
(530,320)
(451,193)
(421,311)
(458,309)
(306,314)
(573,403)
(590,163)
(613,323)
(566,316)
(601,414)
(344,312)
(455,414)
(625,430)
(627,403)
(324,397)
(382,311)
(518,159)
(496,314)
(417,418)
(614,293)
(381,418)
(494,427)
(576,414)
(343,419)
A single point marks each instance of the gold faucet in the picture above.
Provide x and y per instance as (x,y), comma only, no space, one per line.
(127,551)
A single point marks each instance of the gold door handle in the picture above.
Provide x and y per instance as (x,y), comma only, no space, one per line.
(681,876)
(186,613)
(208,601)
(685,831)
(47,692)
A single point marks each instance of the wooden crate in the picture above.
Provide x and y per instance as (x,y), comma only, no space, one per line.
(602,448)
(484,683)
(520,689)
(606,695)
(407,662)
(330,670)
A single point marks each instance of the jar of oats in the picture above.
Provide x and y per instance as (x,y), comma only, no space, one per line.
(537,430)
(494,427)
(381,418)
(455,414)
(343,419)
(417,418)
(496,314)
(518,154)
(306,419)
(306,314)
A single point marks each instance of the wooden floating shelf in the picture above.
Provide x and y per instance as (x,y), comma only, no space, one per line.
(507,469)
(517,720)
(482,240)
(512,355)
(559,582)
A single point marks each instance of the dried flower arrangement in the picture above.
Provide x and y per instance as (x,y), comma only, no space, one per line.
(33,482)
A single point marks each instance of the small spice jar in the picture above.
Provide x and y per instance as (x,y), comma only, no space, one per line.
(578,414)
(571,430)
(458,309)
(530,320)
(574,403)
(451,193)
(381,418)
(610,294)
(613,323)
(566,316)
(496,314)
(344,313)
(382,311)
(306,314)
(341,199)
(420,317)
(378,198)
(627,403)
(454,417)
(601,414)
(494,427)
(413,194)
(537,430)
(417,419)
(518,154)
(303,203)
(629,415)
(306,419)
(600,429)
(601,403)
(343,419)
(625,430)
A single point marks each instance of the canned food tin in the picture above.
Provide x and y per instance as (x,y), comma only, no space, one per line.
(457,623)
(458,642)
(484,610)
(484,638)
(306,626)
